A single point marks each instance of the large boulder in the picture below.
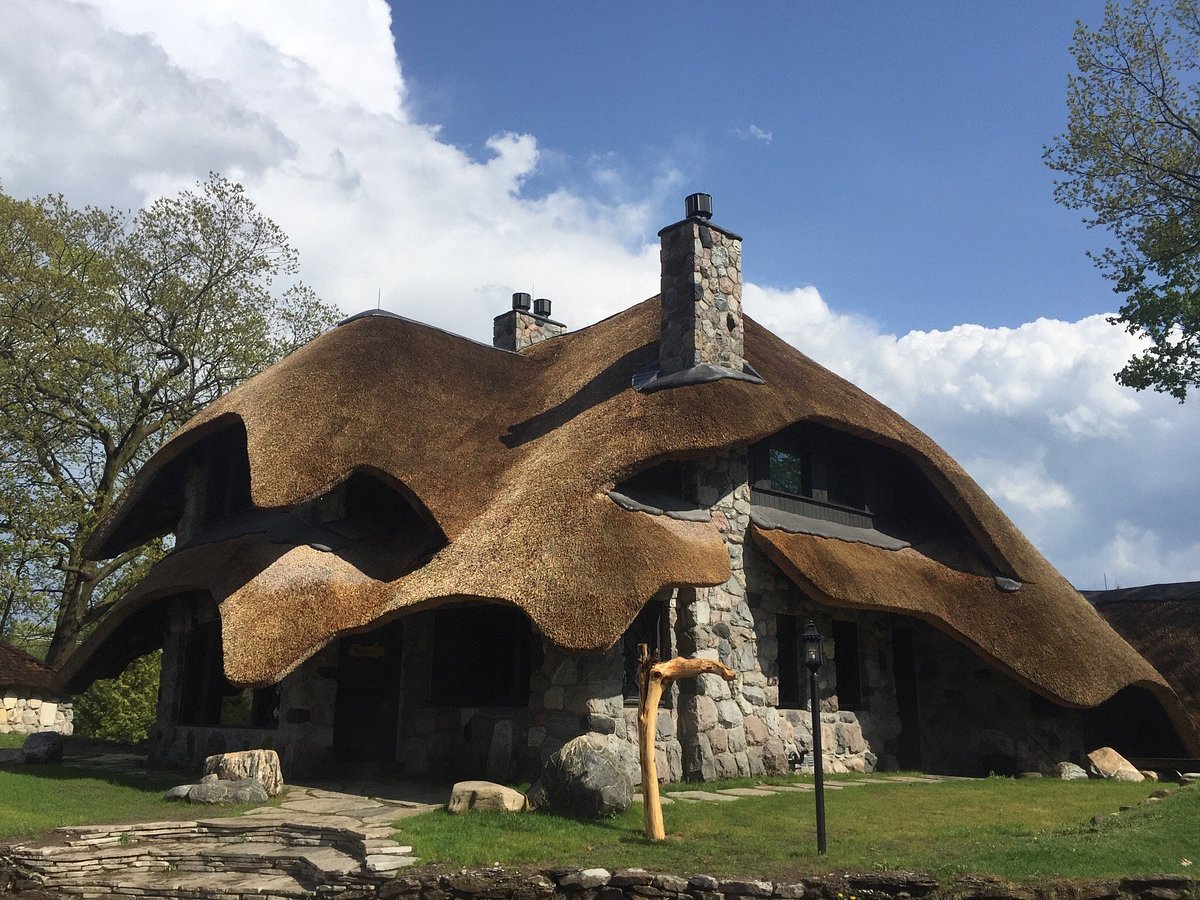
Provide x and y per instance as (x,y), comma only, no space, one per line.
(1068,771)
(247,790)
(583,779)
(485,795)
(261,765)
(43,747)
(1108,763)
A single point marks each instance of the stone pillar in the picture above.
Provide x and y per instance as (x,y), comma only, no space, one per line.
(727,730)
(701,296)
(519,328)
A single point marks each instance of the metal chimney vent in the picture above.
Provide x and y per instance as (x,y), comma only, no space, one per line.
(521,301)
(698,206)
(541,307)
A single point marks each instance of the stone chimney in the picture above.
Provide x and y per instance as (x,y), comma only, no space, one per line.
(701,293)
(519,328)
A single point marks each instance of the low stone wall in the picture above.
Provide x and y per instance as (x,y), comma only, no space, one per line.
(495,883)
(27,715)
(637,884)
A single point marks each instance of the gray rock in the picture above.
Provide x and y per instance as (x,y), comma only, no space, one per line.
(485,795)
(583,780)
(746,888)
(261,765)
(631,878)
(12,757)
(585,879)
(1068,771)
(179,792)
(1108,763)
(43,747)
(672,884)
(247,790)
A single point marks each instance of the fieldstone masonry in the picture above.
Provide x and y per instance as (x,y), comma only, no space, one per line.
(701,297)
(516,329)
(738,729)
(28,715)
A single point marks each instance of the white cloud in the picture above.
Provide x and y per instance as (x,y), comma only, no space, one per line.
(304,102)
(752,133)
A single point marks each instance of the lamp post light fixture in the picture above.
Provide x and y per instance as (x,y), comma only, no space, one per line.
(814,656)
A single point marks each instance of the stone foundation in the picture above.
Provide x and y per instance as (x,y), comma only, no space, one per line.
(28,715)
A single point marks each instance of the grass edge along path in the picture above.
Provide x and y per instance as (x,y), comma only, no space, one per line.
(38,799)
(1024,830)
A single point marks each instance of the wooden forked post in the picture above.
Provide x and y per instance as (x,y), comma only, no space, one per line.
(654,677)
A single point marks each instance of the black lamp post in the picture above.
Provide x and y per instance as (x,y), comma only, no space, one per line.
(813,657)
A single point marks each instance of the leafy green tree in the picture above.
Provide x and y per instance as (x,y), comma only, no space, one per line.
(1130,158)
(115,329)
(122,708)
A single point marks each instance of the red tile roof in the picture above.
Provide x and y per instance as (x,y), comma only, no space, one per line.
(19,669)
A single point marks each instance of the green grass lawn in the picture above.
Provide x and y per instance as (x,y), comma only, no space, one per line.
(7,741)
(1025,830)
(35,799)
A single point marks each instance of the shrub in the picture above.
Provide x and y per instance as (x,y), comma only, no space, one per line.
(122,708)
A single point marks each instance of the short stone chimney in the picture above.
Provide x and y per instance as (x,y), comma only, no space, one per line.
(701,293)
(520,328)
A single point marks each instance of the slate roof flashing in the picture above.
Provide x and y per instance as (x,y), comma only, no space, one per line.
(651,379)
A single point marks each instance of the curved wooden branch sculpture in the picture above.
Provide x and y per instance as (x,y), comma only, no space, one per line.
(654,678)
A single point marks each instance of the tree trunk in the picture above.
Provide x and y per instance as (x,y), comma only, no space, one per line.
(76,597)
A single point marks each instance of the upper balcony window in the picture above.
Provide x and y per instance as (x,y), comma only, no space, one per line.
(813,463)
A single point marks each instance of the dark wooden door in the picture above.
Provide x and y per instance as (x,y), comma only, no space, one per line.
(368,698)
(904,670)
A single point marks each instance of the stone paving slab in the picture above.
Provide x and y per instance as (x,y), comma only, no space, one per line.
(702,795)
(745,792)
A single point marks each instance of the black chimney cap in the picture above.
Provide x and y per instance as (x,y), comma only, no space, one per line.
(541,307)
(698,206)
(521,301)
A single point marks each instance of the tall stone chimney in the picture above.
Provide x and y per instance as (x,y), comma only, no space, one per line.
(519,328)
(701,293)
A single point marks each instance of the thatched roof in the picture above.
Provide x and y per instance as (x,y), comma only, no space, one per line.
(20,670)
(1162,621)
(510,456)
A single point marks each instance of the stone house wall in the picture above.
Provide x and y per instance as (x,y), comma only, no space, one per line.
(975,720)
(23,712)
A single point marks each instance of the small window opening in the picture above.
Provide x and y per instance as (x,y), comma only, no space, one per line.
(665,479)
(226,475)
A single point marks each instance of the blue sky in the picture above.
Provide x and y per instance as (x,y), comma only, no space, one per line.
(903,170)
(882,161)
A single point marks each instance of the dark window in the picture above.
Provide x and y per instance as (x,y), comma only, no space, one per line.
(812,463)
(791,470)
(199,676)
(484,656)
(646,629)
(787,631)
(665,479)
(227,475)
(847,665)
(844,479)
